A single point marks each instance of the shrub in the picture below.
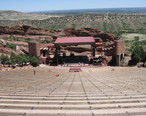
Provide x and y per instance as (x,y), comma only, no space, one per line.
(4,59)
(27,39)
(33,61)
(13,58)
(137,52)
(12,46)
(20,59)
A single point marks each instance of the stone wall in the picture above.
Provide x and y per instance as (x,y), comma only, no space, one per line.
(34,48)
(119,47)
(0,66)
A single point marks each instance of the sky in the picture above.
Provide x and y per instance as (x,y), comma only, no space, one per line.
(49,5)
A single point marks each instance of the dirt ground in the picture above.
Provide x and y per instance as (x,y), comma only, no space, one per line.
(131,36)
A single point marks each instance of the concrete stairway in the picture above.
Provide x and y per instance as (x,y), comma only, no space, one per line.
(71,93)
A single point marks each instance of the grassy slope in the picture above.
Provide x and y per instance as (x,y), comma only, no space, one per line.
(16,16)
(110,22)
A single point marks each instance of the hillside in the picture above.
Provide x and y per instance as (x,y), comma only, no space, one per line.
(107,22)
(132,10)
(112,20)
(15,15)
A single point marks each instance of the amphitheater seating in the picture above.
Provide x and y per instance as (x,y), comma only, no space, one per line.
(96,91)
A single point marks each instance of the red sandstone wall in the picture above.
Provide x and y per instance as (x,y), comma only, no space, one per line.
(0,66)
(119,47)
(34,48)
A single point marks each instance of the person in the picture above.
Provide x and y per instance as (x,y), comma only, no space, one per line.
(139,65)
(57,75)
(34,72)
(144,64)
(113,69)
(91,60)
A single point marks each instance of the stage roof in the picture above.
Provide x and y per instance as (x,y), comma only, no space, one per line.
(74,41)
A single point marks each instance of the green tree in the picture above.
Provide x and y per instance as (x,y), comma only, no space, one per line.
(13,58)
(137,52)
(144,57)
(19,60)
(4,59)
(9,62)
(33,61)
(25,59)
(22,59)
(73,25)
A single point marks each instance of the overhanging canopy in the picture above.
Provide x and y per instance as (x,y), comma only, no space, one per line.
(74,41)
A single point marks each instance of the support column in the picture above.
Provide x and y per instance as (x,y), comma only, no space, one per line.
(102,52)
(92,51)
(118,59)
(123,55)
(56,54)
(48,56)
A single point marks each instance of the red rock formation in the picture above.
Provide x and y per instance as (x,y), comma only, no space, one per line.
(23,30)
(105,36)
(29,30)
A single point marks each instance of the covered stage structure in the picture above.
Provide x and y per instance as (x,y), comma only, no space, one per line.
(72,58)
(67,50)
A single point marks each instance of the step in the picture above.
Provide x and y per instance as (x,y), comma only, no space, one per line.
(76,112)
(72,106)
(94,97)
(45,100)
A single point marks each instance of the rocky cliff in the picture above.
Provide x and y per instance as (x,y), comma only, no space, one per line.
(22,30)
(30,30)
(105,36)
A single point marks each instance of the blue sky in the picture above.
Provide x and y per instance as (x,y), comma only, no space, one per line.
(45,5)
